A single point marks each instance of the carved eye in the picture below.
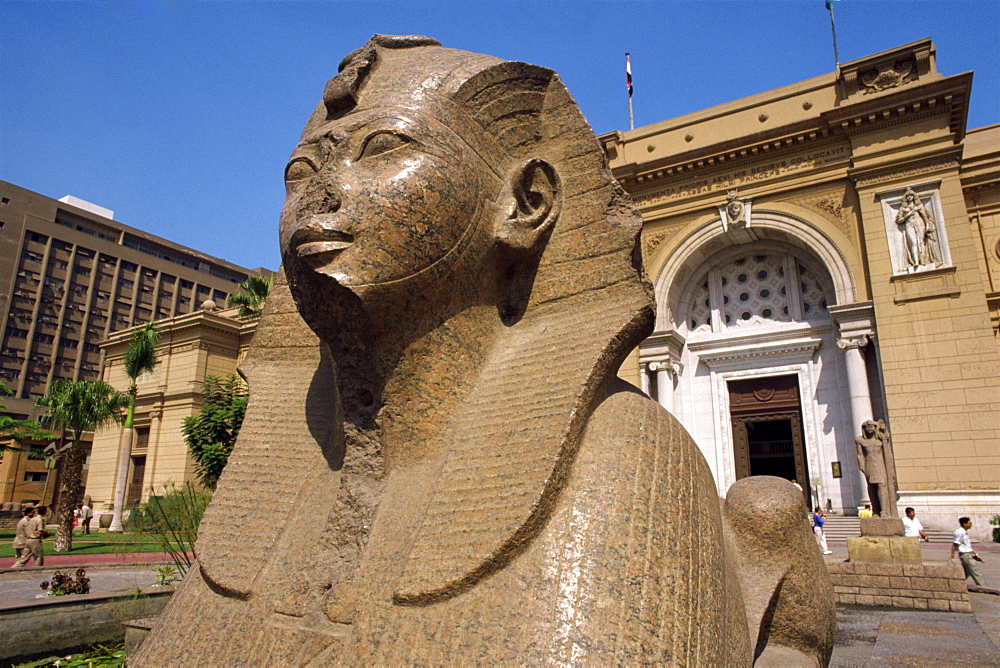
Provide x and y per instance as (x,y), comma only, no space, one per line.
(300,168)
(382,142)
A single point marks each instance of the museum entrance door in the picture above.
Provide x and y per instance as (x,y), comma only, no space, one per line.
(767,429)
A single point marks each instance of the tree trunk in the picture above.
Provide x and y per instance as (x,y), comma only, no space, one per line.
(121,480)
(69,486)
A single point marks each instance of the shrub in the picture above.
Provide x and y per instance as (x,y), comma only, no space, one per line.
(63,584)
(173,517)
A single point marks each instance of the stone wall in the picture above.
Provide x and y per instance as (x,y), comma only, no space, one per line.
(10,515)
(933,585)
(57,623)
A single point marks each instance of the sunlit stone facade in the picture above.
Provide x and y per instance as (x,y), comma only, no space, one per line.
(824,254)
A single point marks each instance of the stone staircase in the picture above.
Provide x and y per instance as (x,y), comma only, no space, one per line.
(841,527)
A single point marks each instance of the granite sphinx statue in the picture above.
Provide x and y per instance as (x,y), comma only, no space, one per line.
(435,414)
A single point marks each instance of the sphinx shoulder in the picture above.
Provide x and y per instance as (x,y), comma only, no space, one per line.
(626,413)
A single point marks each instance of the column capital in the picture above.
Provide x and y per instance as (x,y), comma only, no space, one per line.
(849,342)
(664,365)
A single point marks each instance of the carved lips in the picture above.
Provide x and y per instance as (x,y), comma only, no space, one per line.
(318,239)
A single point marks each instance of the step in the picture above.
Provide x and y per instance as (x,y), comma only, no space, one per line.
(842,527)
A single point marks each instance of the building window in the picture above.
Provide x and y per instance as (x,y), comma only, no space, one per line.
(54,282)
(16,332)
(35,476)
(91,348)
(125,283)
(37,238)
(68,343)
(83,271)
(86,229)
(129,266)
(31,255)
(755,289)
(44,338)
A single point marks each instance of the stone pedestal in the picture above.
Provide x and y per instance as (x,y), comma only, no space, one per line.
(885,568)
(934,585)
(884,550)
(881,526)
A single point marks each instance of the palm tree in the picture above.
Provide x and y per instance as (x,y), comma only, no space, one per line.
(253,292)
(140,357)
(76,407)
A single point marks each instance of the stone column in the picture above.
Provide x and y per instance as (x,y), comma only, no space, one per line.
(857,386)
(664,384)
(644,378)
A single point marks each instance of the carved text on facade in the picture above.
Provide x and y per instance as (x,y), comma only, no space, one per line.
(727,180)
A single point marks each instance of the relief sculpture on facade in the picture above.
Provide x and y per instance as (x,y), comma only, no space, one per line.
(887,76)
(735,213)
(915,230)
(455,473)
(919,229)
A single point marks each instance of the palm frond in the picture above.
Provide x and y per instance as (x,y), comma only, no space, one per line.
(80,406)
(251,297)
(140,354)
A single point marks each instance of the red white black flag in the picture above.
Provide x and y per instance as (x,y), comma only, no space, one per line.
(628,74)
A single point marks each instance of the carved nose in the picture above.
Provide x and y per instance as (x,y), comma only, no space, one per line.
(331,201)
(324,199)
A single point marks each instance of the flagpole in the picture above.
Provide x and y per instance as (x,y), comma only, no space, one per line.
(628,81)
(833,29)
(631,119)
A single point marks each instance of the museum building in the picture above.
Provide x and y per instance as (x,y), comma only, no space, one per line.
(824,254)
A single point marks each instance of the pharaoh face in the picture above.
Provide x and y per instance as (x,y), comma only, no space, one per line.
(380,196)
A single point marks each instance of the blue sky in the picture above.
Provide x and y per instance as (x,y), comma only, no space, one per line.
(180,115)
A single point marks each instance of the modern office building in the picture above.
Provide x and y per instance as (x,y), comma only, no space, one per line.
(824,254)
(70,277)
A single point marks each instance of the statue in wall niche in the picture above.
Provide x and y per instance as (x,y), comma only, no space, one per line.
(876,462)
(435,415)
(919,229)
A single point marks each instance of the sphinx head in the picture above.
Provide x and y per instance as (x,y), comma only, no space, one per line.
(416,182)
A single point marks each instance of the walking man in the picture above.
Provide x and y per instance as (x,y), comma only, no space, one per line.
(819,519)
(34,531)
(20,543)
(961,543)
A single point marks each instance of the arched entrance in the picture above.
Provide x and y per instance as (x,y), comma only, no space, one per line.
(746,355)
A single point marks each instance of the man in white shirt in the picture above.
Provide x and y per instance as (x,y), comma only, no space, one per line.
(961,543)
(912,526)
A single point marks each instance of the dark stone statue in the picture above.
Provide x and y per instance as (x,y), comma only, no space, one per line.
(875,460)
(435,414)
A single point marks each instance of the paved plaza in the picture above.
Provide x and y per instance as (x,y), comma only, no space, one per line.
(865,636)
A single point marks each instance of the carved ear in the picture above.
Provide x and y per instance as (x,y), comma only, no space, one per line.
(537,195)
